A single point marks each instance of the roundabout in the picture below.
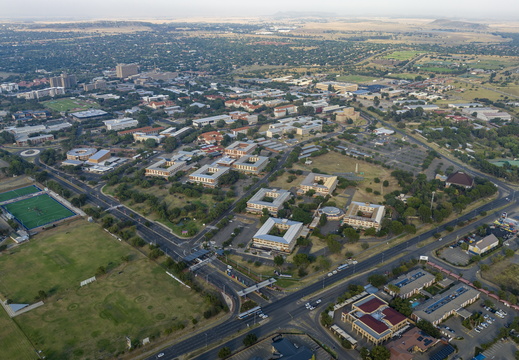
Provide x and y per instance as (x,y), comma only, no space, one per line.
(30,152)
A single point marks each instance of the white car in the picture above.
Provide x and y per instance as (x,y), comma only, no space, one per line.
(318,301)
(160,355)
(477,330)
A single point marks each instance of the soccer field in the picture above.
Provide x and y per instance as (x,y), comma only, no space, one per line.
(8,195)
(68,104)
(38,211)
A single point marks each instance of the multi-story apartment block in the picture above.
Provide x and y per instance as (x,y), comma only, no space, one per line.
(208,175)
(278,234)
(125,70)
(320,183)
(364,215)
(239,148)
(251,163)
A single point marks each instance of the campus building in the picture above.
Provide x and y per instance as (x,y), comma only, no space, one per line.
(374,320)
(239,148)
(166,167)
(99,157)
(92,114)
(270,199)
(441,306)
(212,120)
(251,163)
(282,111)
(120,124)
(81,154)
(208,175)
(411,342)
(278,234)
(320,183)
(64,80)
(336,86)
(410,284)
(149,130)
(364,215)
(125,70)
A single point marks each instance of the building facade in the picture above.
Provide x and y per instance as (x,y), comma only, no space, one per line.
(322,184)
(270,199)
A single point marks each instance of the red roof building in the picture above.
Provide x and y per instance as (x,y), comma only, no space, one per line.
(374,320)
(211,137)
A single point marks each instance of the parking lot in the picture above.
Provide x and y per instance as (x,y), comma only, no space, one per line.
(455,255)
(473,338)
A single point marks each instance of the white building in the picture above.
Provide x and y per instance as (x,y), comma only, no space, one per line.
(270,199)
(120,124)
(208,175)
(211,120)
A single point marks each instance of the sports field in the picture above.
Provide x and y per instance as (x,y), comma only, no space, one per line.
(38,211)
(136,298)
(69,104)
(13,194)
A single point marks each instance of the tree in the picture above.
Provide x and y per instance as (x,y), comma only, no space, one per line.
(250,339)
(477,284)
(42,295)
(150,143)
(351,235)
(428,328)
(333,245)
(326,320)
(385,183)
(377,280)
(224,352)
(279,260)
(301,260)
(379,352)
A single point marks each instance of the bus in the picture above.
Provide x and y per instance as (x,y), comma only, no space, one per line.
(248,313)
(342,267)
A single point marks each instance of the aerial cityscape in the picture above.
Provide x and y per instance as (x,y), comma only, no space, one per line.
(259,181)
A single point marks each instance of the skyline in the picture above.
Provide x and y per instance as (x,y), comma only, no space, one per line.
(163,9)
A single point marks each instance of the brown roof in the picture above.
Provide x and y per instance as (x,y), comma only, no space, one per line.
(393,316)
(376,325)
(460,178)
(371,305)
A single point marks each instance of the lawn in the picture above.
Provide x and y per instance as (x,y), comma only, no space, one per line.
(70,104)
(172,201)
(38,211)
(13,343)
(401,55)
(135,298)
(13,194)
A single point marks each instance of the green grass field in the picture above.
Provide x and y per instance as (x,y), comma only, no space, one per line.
(13,343)
(70,104)
(401,55)
(38,211)
(8,195)
(136,298)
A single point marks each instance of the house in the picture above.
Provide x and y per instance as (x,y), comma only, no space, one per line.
(270,199)
(410,283)
(278,234)
(482,246)
(364,215)
(460,178)
(441,306)
(374,320)
(322,184)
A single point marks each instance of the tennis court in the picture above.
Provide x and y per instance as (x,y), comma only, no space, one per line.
(13,194)
(38,211)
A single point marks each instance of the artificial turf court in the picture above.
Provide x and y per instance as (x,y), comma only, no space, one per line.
(8,195)
(38,211)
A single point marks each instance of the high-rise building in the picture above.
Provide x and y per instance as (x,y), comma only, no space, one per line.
(64,80)
(125,70)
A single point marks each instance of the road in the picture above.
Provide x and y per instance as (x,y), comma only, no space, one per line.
(282,310)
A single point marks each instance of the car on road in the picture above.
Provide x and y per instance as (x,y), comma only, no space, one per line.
(160,355)
(330,274)
(318,301)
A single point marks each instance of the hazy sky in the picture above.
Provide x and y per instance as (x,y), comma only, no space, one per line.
(495,9)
